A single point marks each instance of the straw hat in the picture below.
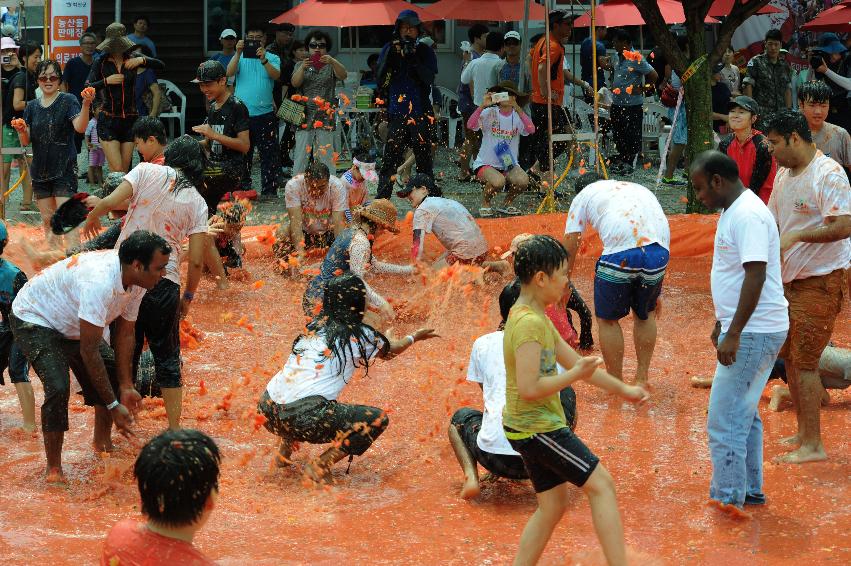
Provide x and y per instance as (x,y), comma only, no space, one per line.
(116,39)
(381,211)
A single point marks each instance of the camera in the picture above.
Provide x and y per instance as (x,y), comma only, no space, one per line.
(249,51)
(5,60)
(817,60)
(408,47)
(499,96)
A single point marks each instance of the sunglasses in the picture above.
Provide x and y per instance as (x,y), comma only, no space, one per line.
(313,45)
(50,79)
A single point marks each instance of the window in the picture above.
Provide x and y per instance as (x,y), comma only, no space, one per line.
(221,15)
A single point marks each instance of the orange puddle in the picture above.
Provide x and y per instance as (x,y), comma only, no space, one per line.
(399,503)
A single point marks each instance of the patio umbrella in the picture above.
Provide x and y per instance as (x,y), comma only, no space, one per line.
(837,19)
(721,8)
(617,13)
(350,13)
(486,10)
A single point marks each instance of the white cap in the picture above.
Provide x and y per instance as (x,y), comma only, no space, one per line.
(512,35)
(228,33)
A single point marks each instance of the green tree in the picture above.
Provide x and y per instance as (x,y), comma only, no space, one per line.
(697,90)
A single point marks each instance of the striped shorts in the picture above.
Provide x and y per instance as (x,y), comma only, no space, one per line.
(629,280)
(555,457)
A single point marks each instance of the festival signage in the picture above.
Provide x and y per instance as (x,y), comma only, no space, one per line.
(68,20)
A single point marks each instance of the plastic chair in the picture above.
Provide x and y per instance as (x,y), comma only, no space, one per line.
(452,122)
(178,110)
(651,127)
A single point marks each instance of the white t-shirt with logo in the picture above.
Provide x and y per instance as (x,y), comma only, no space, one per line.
(86,286)
(498,128)
(487,366)
(316,212)
(312,370)
(625,215)
(156,206)
(802,202)
(452,224)
(747,232)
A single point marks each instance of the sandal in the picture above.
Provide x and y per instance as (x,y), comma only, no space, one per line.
(485,212)
(26,207)
(510,211)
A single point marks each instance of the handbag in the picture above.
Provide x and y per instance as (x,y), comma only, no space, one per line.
(669,95)
(291,112)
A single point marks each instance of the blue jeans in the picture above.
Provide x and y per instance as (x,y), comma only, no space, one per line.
(263,132)
(733,423)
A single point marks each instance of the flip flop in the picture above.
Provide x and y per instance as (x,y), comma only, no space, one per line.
(510,211)
(485,212)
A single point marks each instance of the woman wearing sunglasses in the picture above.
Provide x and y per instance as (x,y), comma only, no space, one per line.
(316,77)
(49,123)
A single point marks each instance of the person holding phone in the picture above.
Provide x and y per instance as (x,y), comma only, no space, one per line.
(316,77)
(256,71)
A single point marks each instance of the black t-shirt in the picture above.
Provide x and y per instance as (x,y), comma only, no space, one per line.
(228,120)
(720,103)
(23,80)
(75,74)
(6,88)
(52,137)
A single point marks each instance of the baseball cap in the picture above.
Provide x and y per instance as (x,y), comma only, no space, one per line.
(8,43)
(515,242)
(417,181)
(512,35)
(228,33)
(209,71)
(409,17)
(557,16)
(746,103)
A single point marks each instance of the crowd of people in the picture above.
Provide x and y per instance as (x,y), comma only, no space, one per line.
(779,274)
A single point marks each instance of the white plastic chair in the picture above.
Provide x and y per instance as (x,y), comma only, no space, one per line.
(178,111)
(651,127)
(445,103)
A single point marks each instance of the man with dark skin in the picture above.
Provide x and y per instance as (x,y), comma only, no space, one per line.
(752,321)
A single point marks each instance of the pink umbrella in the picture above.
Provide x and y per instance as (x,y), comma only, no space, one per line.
(721,8)
(350,13)
(487,10)
(617,13)
(837,18)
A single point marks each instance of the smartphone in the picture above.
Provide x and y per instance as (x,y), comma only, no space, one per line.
(249,51)
(5,60)
(499,96)
(315,61)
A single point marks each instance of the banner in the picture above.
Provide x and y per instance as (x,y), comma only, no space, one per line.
(68,20)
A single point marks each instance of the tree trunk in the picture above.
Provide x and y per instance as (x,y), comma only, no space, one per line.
(698,101)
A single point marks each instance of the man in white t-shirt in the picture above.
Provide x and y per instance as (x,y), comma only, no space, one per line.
(316,203)
(58,320)
(811,202)
(450,222)
(752,321)
(628,277)
(164,200)
(478,438)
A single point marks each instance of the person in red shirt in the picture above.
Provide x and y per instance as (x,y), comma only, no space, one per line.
(178,477)
(749,148)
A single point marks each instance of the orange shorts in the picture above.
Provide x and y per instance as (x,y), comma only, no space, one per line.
(814,304)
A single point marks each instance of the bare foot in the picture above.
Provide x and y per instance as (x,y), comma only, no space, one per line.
(793,440)
(282,458)
(701,382)
(316,474)
(103,446)
(55,476)
(803,455)
(470,489)
(730,509)
(28,428)
(641,382)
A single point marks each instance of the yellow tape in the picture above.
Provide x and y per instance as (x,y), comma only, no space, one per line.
(693,68)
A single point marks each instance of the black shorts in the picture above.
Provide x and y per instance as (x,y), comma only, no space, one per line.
(159,324)
(317,420)
(106,240)
(63,187)
(115,128)
(217,183)
(52,356)
(552,458)
(469,422)
(11,357)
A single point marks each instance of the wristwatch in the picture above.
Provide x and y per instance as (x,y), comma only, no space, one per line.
(263,61)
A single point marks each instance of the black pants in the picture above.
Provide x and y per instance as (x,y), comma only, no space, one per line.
(217,184)
(287,143)
(317,420)
(401,136)
(540,140)
(626,128)
(159,323)
(263,132)
(52,355)
(577,304)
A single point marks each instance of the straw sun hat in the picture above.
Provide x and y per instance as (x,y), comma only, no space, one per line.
(382,212)
(116,39)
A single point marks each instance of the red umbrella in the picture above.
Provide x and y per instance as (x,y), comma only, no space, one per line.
(350,13)
(837,18)
(486,10)
(721,8)
(617,13)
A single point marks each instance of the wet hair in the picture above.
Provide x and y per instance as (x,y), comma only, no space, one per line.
(538,253)
(713,162)
(140,246)
(507,298)
(586,179)
(621,34)
(476,31)
(142,17)
(232,212)
(317,171)
(186,156)
(47,64)
(494,42)
(814,91)
(176,472)
(787,122)
(319,35)
(341,322)
(774,34)
(149,126)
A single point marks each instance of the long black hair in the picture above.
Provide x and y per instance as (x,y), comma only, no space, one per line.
(341,322)
(185,155)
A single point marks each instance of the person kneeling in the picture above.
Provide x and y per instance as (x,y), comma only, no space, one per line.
(300,402)
(478,437)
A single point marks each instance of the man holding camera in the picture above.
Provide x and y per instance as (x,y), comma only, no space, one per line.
(256,71)
(831,64)
(406,69)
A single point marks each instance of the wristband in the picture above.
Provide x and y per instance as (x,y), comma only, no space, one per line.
(112,405)
(263,61)
(188,295)
(411,338)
